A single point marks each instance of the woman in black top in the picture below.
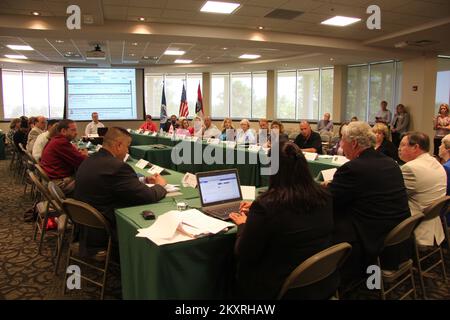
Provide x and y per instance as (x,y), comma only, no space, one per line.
(283,227)
(382,143)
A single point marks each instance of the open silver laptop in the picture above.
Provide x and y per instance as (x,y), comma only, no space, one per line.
(220,192)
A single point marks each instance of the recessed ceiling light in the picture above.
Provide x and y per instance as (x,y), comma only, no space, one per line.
(19,47)
(340,21)
(35,13)
(260,27)
(141,19)
(134,43)
(224,48)
(183,61)
(145,57)
(132,54)
(15,56)
(174,52)
(331,59)
(249,56)
(219,7)
(59,41)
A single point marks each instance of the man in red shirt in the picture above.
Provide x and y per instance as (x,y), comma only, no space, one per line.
(148,125)
(60,159)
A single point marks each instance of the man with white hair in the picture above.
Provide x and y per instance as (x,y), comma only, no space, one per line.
(425,181)
(369,198)
(210,130)
(40,123)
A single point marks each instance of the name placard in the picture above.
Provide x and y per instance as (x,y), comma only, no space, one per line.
(141,164)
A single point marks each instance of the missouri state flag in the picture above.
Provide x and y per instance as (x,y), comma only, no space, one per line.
(199,105)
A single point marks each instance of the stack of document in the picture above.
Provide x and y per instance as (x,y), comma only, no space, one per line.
(176,226)
(172,189)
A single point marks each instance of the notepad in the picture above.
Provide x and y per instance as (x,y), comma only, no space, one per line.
(155,170)
(248,192)
(310,156)
(328,174)
(340,160)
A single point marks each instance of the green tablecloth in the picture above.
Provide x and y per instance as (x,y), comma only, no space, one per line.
(2,146)
(142,139)
(154,154)
(197,269)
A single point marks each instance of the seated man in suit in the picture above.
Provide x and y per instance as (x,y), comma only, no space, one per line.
(369,199)
(308,140)
(425,181)
(106,182)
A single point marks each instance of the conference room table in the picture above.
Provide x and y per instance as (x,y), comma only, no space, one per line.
(197,269)
(248,163)
(2,146)
(201,268)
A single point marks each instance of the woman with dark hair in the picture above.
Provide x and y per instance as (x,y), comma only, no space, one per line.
(283,227)
(21,135)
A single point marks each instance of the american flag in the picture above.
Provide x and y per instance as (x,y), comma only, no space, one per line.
(184,110)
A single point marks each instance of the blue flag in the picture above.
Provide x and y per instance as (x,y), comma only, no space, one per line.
(163,114)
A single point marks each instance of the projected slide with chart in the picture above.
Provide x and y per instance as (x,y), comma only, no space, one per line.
(110,92)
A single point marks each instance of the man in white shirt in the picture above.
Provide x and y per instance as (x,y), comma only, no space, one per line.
(42,140)
(425,181)
(39,127)
(210,130)
(92,127)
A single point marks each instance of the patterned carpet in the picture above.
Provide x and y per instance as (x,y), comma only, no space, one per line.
(25,274)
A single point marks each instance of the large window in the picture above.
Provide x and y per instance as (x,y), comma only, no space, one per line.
(239,95)
(304,94)
(32,94)
(442,82)
(173,85)
(368,85)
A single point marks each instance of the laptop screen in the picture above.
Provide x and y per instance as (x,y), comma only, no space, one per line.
(219,188)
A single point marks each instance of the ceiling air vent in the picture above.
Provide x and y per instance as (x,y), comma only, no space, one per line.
(423,43)
(283,14)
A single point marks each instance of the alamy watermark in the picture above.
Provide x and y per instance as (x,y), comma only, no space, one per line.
(74,279)
(73,21)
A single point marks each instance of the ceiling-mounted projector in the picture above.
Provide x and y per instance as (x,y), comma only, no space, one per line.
(96,54)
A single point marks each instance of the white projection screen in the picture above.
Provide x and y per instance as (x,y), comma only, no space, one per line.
(114,93)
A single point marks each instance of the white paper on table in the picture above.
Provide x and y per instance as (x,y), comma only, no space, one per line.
(213,141)
(195,139)
(99,146)
(93,135)
(146,133)
(88,145)
(189,180)
(310,156)
(141,164)
(254,147)
(339,160)
(324,156)
(328,174)
(164,230)
(155,170)
(169,187)
(248,192)
(129,130)
(201,221)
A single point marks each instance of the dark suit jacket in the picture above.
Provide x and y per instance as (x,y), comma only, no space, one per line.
(273,242)
(388,148)
(370,199)
(108,183)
